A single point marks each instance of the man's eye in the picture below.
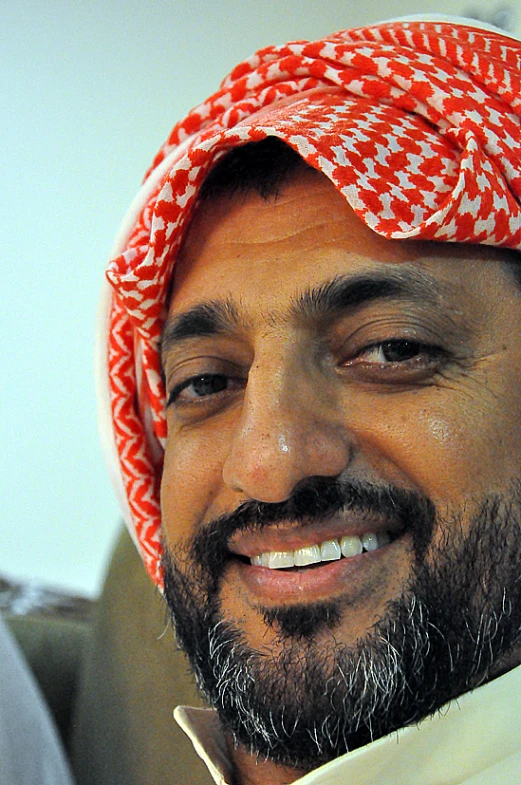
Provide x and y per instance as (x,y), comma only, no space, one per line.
(199,387)
(397,351)
(397,360)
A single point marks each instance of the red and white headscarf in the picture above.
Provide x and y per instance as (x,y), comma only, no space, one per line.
(416,123)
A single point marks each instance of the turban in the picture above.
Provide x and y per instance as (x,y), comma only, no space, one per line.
(416,123)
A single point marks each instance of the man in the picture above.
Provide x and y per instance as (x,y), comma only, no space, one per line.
(314,379)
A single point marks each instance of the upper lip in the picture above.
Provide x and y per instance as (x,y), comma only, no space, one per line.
(289,535)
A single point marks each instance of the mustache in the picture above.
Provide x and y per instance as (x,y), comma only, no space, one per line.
(313,501)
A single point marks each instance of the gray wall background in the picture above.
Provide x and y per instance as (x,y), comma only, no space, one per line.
(90,90)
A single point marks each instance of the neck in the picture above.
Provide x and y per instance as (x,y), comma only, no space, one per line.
(252,770)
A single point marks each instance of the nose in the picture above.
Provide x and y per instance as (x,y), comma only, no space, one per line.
(288,431)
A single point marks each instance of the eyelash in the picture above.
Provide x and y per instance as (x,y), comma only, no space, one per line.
(173,397)
(417,347)
(424,357)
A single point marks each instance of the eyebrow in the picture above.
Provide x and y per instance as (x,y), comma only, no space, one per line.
(215,317)
(345,293)
(320,304)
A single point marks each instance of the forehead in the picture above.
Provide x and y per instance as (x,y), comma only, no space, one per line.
(261,252)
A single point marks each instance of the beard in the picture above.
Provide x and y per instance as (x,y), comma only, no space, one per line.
(315,698)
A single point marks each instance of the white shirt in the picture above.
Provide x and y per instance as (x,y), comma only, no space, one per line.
(474,740)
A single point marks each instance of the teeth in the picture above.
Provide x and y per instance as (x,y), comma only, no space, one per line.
(351,546)
(277,560)
(370,542)
(330,550)
(274,560)
(305,556)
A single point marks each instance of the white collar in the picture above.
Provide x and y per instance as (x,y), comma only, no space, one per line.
(469,736)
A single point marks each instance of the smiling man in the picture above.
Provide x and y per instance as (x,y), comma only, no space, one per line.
(314,379)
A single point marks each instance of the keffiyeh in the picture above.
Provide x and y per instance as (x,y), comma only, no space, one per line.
(416,123)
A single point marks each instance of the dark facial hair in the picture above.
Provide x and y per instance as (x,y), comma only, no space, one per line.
(317,698)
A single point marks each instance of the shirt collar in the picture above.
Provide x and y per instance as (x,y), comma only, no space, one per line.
(467,736)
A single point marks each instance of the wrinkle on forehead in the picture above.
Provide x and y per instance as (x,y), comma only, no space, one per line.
(312,231)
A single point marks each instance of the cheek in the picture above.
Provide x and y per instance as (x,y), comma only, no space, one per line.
(456,450)
(192,476)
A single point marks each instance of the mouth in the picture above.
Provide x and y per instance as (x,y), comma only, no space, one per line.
(287,567)
(345,556)
(329,550)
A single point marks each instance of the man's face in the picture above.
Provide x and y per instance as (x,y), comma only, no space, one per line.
(301,345)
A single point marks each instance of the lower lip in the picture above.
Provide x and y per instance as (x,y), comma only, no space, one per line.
(320,582)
